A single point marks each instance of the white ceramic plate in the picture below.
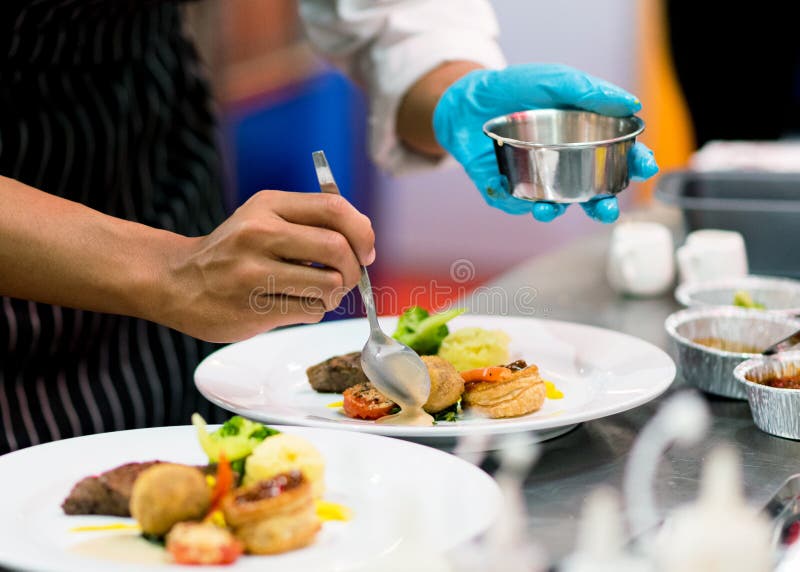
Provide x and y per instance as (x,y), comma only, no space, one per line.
(391,504)
(600,372)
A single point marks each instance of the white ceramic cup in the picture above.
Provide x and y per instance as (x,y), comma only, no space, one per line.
(641,260)
(711,254)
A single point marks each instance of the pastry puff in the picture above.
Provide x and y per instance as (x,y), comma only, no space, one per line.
(515,393)
(273,516)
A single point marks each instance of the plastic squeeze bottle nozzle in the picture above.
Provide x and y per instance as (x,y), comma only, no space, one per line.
(720,532)
(601,538)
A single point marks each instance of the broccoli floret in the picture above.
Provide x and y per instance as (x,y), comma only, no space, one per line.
(263,432)
(231,427)
(423,332)
(237,437)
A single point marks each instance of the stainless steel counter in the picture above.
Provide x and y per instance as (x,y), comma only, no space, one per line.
(570,285)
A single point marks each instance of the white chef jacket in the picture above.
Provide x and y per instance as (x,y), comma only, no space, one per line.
(387,45)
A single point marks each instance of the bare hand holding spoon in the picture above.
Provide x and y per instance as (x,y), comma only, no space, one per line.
(392,367)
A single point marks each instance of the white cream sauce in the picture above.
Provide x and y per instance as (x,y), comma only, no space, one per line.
(413,416)
(398,366)
(129,548)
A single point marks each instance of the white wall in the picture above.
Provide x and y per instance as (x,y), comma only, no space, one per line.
(424,222)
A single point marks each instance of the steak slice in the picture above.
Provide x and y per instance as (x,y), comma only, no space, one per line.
(108,493)
(336,374)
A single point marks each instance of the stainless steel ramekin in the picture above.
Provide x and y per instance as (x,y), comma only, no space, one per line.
(563,155)
(710,369)
(775,410)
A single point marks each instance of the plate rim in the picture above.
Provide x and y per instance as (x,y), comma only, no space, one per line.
(444,431)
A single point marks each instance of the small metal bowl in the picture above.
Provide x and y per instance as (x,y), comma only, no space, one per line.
(781,295)
(710,369)
(775,410)
(563,156)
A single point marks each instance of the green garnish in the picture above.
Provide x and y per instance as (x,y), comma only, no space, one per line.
(743,299)
(423,332)
(237,466)
(154,539)
(447,414)
(237,437)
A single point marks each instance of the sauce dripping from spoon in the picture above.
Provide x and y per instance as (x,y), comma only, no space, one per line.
(396,363)
(393,368)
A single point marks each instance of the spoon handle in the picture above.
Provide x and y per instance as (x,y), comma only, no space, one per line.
(365,288)
(327,184)
(783,345)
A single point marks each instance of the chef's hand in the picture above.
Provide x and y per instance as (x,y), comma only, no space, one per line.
(254,273)
(483,94)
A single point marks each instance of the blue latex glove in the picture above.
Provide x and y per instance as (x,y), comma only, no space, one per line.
(483,94)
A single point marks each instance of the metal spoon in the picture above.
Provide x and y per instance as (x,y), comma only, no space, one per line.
(392,367)
(783,345)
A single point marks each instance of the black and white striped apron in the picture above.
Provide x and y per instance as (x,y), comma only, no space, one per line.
(102,102)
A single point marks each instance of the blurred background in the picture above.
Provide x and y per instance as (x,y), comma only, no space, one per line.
(279,102)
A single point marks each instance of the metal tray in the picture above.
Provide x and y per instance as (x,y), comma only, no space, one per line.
(764,207)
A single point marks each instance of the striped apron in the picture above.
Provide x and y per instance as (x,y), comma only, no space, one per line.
(102,102)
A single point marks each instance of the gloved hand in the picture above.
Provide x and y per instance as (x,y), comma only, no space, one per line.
(483,94)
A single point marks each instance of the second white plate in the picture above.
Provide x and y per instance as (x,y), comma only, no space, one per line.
(401,496)
(600,372)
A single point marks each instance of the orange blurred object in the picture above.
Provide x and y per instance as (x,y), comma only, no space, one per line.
(669,130)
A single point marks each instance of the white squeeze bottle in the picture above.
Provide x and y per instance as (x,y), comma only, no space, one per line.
(601,538)
(506,546)
(719,532)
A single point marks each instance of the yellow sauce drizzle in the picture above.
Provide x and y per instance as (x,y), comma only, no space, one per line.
(99,527)
(552,391)
(327,510)
(335,404)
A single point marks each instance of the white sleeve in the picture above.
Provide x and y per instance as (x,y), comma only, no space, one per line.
(387,45)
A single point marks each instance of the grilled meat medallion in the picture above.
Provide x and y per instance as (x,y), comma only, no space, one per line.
(336,374)
(108,493)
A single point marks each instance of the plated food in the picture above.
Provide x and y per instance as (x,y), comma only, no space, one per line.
(599,372)
(506,391)
(259,494)
(468,369)
(367,474)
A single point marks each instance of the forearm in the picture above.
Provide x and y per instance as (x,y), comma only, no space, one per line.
(415,114)
(387,47)
(60,252)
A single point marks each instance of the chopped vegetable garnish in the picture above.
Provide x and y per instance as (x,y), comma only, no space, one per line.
(237,438)
(217,518)
(223,482)
(486,374)
(447,414)
(743,299)
(422,331)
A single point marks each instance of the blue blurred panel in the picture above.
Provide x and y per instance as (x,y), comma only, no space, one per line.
(273,142)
